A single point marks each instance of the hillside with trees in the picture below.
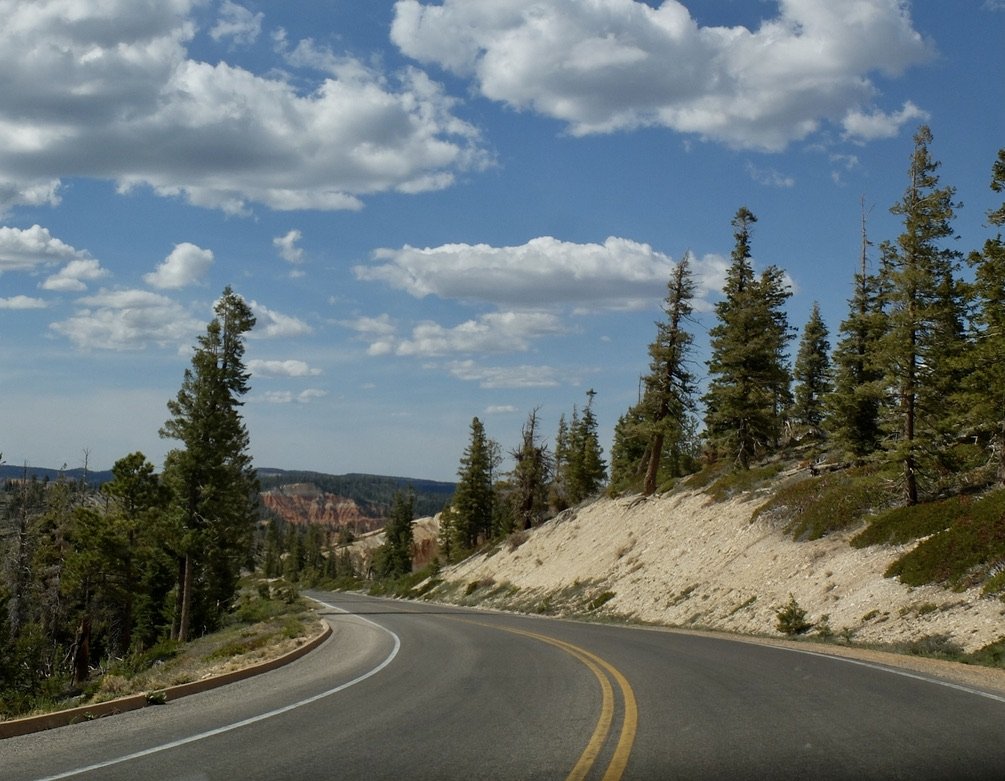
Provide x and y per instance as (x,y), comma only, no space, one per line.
(892,444)
(89,576)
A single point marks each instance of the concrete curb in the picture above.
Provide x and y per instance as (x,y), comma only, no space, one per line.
(15,727)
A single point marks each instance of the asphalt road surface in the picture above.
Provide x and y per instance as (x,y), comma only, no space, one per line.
(417,691)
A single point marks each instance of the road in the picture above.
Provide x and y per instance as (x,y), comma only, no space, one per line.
(417,691)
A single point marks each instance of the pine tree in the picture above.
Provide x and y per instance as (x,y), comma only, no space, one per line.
(986,381)
(394,558)
(530,477)
(748,388)
(854,405)
(136,519)
(630,449)
(922,348)
(472,506)
(211,475)
(585,468)
(669,385)
(812,374)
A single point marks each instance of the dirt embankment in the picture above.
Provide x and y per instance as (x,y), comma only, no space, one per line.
(683,560)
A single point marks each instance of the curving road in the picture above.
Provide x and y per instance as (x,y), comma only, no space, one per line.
(415,691)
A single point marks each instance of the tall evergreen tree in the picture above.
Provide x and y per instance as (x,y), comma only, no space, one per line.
(748,389)
(986,381)
(584,467)
(136,519)
(472,506)
(211,475)
(812,374)
(922,347)
(530,477)
(394,558)
(669,386)
(630,449)
(854,405)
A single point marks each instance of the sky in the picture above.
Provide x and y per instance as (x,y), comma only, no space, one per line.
(440,210)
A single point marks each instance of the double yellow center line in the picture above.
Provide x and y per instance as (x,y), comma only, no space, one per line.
(605,673)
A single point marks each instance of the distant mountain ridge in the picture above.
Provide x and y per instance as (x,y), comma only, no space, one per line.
(89,476)
(371,494)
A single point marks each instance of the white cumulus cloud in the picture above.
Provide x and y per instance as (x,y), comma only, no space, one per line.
(288,368)
(289,397)
(495,332)
(271,324)
(108,90)
(508,377)
(127,320)
(25,249)
(618,274)
(237,23)
(184,266)
(287,247)
(867,126)
(22,302)
(74,276)
(611,65)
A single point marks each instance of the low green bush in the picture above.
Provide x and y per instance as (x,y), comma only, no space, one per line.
(903,524)
(791,619)
(600,600)
(966,554)
(811,508)
(991,655)
(738,481)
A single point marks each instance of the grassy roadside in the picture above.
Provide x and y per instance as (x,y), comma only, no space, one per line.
(266,623)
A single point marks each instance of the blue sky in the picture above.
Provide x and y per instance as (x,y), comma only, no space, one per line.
(439,210)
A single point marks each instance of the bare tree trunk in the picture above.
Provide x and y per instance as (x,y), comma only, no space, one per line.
(186,601)
(652,468)
(82,651)
(178,597)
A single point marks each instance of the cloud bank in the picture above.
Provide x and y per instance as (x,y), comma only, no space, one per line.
(616,65)
(108,90)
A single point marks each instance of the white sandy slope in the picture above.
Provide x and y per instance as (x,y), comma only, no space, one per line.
(683,560)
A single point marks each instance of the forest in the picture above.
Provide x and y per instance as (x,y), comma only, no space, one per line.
(913,391)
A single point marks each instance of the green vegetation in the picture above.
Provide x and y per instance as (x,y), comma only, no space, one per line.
(92,576)
(580,470)
(815,506)
(904,524)
(258,624)
(791,619)
(733,483)
(655,440)
(748,388)
(970,552)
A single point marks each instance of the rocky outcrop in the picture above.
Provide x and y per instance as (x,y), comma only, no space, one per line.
(304,503)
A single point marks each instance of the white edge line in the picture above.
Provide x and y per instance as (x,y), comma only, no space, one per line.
(894,671)
(253,719)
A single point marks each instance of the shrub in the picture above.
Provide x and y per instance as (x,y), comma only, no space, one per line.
(742,480)
(965,554)
(991,655)
(934,646)
(816,506)
(600,600)
(791,619)
(903,524)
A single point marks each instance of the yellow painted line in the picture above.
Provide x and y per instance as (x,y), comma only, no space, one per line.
(629,725)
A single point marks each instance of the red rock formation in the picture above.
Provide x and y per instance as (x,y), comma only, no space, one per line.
(303,503)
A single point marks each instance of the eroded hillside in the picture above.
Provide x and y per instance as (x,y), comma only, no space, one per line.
(305,503)
(683,559)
